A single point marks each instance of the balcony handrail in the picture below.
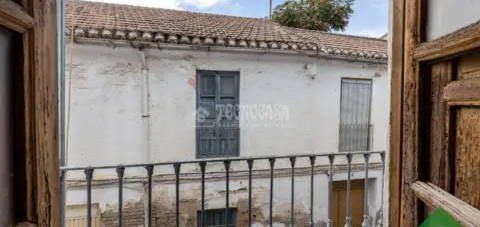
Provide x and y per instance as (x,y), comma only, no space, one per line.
(149,167)
(210,160)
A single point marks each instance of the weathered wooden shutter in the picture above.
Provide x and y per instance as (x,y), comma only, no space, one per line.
(217,114)
(228,127)
(206,116)
(355,114)
(434,159)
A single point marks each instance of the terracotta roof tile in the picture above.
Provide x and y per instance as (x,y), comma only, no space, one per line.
(106,20)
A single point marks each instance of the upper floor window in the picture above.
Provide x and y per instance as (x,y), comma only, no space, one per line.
(217,127)
(355,105)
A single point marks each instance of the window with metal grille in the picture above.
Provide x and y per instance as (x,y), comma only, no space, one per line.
(216,217)
(217,127)
(355,105)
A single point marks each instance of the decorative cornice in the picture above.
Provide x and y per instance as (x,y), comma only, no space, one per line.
(157,37)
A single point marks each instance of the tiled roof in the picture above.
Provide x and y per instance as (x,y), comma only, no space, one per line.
(125,22)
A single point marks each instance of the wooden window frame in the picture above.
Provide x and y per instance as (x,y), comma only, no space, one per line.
(409,55)
(36,21)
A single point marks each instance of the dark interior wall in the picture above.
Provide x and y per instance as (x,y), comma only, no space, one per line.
(6,127)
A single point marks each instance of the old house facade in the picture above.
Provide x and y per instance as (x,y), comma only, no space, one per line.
(151,85)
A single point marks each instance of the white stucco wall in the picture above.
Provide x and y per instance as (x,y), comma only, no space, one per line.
(447,16)
(106,120)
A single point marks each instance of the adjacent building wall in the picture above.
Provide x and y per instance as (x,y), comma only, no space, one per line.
(447,16)
(106,113)
(107,126)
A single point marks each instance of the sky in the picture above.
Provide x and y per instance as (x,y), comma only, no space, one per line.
(370,17)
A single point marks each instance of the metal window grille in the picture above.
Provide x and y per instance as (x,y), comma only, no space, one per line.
(355,106)
(216,218)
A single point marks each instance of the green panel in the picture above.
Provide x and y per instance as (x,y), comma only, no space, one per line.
(440,218)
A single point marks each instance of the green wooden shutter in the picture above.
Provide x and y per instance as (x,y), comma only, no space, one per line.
(206,116)
(217,114)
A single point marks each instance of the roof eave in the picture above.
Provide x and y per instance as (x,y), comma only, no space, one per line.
(203,47)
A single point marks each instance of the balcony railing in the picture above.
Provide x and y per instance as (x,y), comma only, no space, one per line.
(330,159)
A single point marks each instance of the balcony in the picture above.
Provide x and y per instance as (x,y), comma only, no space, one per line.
(335,189)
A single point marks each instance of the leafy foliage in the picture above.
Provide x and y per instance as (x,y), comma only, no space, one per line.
(322,15)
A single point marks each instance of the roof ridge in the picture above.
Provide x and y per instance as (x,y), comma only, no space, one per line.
(336,34)
(173,10)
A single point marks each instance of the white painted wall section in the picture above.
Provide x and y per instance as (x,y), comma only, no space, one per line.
(106,117)
(106,121)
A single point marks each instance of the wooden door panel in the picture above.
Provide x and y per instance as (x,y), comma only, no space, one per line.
(464,97)
(438,157)
(356,203)
(469,67)
(453,113)
(451,159)
(467,90)
(467,161)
